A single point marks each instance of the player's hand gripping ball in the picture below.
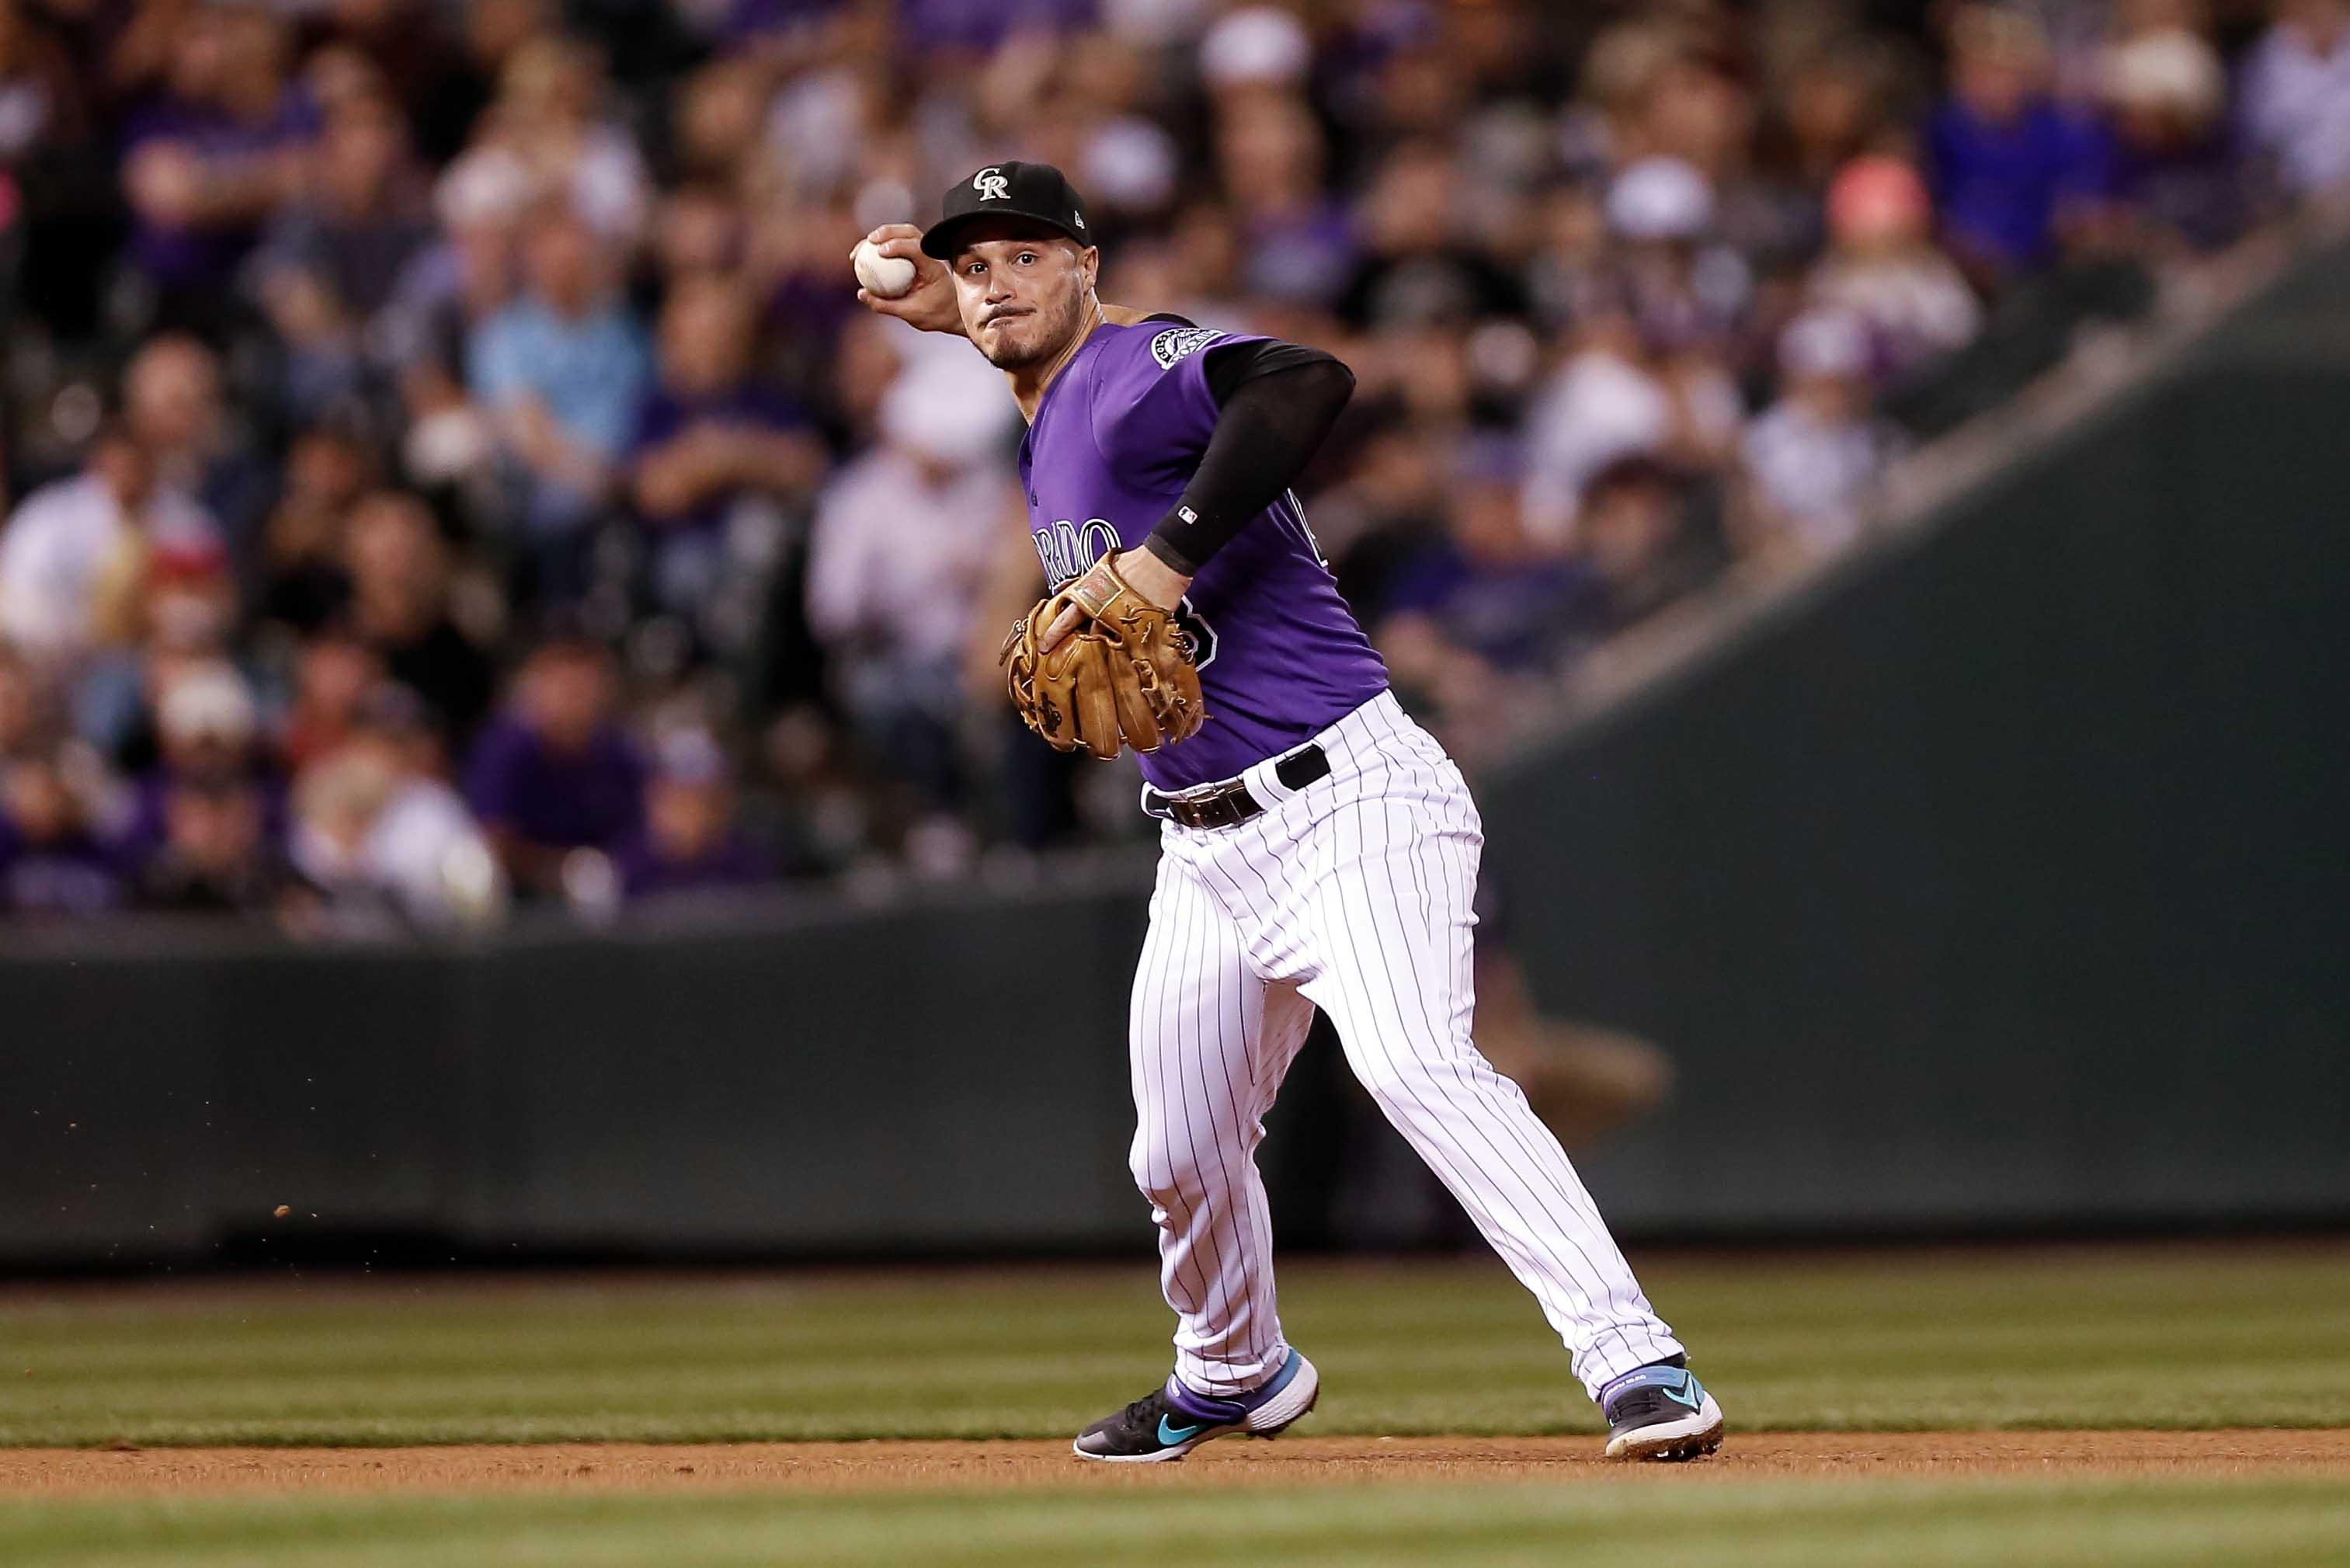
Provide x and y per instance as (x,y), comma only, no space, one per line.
(1125,677)
(895,278)
(884,278)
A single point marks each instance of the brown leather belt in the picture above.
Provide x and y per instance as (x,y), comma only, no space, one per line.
(1230,803)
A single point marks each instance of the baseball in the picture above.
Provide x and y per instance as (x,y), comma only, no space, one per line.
(884,278)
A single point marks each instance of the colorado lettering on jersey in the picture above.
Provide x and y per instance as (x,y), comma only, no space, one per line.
(1067,549)
(1178,341)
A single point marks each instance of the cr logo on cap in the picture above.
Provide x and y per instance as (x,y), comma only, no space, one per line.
(991,184)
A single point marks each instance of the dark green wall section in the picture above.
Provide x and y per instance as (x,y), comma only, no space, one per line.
(885,1080)
(2008,878)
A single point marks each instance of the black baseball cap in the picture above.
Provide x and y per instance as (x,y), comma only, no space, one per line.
(1037,191)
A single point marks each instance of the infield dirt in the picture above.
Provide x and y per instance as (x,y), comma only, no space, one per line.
(852,1466)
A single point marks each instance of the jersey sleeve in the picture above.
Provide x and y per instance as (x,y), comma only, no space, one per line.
(1153,410)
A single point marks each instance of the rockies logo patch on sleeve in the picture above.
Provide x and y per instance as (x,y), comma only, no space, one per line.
(1177,342)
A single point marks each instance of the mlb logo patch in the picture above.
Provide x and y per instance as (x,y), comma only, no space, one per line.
(1176,342)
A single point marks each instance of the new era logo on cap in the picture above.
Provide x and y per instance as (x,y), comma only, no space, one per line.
(1037,191)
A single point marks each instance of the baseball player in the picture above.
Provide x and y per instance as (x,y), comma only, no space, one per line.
(1320,849)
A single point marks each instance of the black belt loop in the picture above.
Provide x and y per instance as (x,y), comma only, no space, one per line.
(1230,805)
(1301,768)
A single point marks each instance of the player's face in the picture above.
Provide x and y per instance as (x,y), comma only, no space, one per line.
(1021,295)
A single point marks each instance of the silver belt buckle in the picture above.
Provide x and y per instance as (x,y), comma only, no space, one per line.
(1213,807)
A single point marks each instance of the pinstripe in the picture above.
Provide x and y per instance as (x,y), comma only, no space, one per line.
(1155,1129)
(1244,1136)
(1222,1232)
(1195,1150)
(1617,1293)
(1273,945)
(1471,1074)
(1362,1026)
(1477,1078)
(1263,1043)
(1202,1230)
(1502,1180)
(1276,944)
(1260,922)
(1220,1138)
(1168,1193)
(1247,914)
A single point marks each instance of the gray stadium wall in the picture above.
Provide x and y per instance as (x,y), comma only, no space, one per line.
(2000,882)
(828,1082)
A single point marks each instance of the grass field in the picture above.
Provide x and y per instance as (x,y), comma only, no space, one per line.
(2271,1525)
(2125,1337)
(2137,1337)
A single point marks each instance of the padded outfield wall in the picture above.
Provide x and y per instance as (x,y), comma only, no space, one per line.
(2005,876)
(2000,879)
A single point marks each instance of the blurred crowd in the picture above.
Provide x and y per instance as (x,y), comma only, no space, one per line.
(447,470)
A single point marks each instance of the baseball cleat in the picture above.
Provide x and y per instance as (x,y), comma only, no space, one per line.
(1172,1420)
(1660,1412)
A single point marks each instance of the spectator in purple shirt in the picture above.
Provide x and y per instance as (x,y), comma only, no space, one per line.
(799,24)
(1299,241)
(50,862)
(207,730)
(1468,621)
(2011,167)
(332,259)
(691,841)
(958,24)
(209,162)
(555,773)
(2177,169)
(710,441)
(218,854)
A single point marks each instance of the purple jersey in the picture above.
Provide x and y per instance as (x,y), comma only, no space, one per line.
(1113,446)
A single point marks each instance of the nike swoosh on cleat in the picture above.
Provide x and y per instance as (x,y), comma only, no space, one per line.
(1171,1433)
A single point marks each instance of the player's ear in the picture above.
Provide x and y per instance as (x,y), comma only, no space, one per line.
(1089,260)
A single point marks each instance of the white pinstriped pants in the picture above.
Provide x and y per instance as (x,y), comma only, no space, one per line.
(1351,895)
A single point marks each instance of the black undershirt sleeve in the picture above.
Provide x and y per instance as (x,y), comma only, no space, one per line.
(1276,402)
